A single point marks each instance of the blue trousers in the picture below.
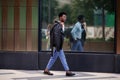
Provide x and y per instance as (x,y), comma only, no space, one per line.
(53,58)
(77,46)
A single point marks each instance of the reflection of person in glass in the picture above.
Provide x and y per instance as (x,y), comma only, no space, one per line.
(77,34)
(84,30)
(58,38)
(48,36)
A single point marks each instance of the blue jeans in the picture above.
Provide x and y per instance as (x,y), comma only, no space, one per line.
(55,56)
(77,46)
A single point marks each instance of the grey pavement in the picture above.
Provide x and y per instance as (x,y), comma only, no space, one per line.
(7,74)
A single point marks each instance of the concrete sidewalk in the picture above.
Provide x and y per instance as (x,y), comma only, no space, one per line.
(58,75)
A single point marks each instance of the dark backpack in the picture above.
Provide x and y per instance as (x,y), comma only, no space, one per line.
(52,42)
(51,38)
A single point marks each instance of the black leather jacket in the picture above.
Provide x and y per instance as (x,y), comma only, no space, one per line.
(58,36)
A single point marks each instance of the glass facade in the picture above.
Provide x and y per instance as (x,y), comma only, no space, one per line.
(19,23)
(100,20)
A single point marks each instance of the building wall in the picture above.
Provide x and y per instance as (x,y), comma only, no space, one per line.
(19,25)
(118,27)
(18,31)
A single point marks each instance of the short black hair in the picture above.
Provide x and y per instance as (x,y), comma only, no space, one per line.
(80,17)
(61,14)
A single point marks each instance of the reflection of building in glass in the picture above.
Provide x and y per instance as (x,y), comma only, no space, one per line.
(109,18)
(96,32)
(107,26)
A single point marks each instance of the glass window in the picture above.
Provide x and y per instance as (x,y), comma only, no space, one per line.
(99,23)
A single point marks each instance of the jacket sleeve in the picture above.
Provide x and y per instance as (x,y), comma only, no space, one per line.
(57,37)
(73,32)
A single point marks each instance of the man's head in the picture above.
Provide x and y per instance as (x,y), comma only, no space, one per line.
(62,16)
(81,18)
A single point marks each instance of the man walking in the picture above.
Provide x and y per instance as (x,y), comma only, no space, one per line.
(57,42)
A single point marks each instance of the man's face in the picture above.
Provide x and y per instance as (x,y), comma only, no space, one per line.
(63,18)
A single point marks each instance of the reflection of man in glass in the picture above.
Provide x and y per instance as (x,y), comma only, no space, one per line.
(58,38)
(77,34)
